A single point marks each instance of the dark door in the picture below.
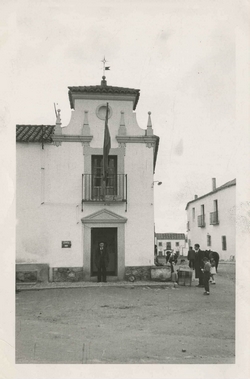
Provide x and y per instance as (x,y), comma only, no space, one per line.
(109,237)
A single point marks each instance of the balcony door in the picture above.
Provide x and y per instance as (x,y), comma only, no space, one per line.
(102,188)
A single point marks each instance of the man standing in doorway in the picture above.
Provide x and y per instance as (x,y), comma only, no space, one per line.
(101,261)
(199,264)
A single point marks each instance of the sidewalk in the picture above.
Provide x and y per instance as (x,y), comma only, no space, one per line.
(121,284)
(57,285)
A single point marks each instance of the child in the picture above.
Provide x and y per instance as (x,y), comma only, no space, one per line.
(212,270)
(206,275)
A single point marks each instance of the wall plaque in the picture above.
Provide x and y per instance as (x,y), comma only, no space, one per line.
(66,243)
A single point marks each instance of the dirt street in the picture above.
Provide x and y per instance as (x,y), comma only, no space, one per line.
(128,325)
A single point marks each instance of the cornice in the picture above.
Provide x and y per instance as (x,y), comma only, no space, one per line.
(102,96)
(136,139)
(72,138)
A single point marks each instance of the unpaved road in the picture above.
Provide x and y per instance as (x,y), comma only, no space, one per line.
(128,325)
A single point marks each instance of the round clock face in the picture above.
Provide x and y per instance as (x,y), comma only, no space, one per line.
(101,111)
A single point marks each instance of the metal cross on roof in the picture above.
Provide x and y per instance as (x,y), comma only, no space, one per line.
(104,67)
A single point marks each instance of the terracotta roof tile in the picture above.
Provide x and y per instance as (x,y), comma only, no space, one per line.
(104,89)
(170,236)
(34,133)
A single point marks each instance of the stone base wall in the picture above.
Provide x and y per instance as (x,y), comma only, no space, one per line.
(133,273)
(161,273)
(68,274)
(32,272)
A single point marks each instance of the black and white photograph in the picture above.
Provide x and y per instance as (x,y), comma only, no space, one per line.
(125,168)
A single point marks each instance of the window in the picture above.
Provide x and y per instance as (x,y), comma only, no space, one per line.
(224,243)
(208,240)
(97,179)
(177,244)
(168,245)
(201,217)
(216,205)
(214,216)
(202,210)
(193,212)
(160,243)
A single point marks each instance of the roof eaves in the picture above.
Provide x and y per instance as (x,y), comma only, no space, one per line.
(103,90)
(224,186)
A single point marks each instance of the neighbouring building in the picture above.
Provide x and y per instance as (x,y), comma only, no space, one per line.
(211,220)
(170,242)
(64,208)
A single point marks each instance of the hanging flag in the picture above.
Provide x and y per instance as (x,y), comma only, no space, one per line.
(107,68)
(106,146)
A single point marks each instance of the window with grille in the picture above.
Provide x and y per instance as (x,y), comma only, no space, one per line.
(224,243)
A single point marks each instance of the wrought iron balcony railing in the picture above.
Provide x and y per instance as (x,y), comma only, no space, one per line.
(214,218)
(95,189)
(201,221)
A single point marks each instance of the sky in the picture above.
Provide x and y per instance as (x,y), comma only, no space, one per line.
(181,55)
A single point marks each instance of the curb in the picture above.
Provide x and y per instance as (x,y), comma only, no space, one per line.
(35,287)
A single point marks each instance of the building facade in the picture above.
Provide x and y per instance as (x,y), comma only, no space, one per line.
(65,208)
(175,242)
(211,220)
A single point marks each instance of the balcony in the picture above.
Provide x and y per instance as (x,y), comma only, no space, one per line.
(96,190)
(201,221)
(214,218)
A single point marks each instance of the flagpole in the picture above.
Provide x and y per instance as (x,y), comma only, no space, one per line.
(106,149)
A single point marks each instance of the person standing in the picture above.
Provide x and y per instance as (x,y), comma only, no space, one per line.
(191,257)
(206,275)
(199,264)
(212,270)
(101,261)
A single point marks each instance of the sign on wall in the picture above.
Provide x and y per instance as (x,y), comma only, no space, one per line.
(66,244)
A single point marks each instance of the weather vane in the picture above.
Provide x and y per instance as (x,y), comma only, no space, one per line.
(104,67)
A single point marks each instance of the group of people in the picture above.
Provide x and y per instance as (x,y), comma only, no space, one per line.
(205,264)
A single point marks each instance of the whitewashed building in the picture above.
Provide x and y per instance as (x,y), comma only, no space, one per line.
(211,220)
(63,211)
(175,242)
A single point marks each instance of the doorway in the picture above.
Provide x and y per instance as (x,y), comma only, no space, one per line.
(109,237)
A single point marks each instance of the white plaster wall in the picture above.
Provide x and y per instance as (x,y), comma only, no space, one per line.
(63,173)
(97,125)
(48,204)
(227,227)
(30,246)
(139,235)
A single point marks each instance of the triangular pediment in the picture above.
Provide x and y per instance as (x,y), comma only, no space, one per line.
(104,216)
